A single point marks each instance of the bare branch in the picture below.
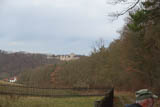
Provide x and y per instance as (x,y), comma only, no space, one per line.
(117,1)
(130,8)
(115,15)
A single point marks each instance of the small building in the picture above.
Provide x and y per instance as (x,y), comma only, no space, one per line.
(13,79)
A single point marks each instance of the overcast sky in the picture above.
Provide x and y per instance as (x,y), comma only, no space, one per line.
(56,26)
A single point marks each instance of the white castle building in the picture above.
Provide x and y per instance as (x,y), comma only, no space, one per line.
(69,57)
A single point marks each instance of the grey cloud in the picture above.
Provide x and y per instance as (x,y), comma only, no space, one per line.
(47,25)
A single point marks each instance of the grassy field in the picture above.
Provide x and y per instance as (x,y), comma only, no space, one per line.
(19,89)
(24,101)
(8,83)
(120,99)
(15,101)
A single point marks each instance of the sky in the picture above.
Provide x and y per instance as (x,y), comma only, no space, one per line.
(56,26)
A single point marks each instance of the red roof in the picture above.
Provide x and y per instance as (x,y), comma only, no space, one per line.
(12,78)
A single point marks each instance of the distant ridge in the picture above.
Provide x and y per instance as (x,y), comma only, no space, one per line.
(13,63)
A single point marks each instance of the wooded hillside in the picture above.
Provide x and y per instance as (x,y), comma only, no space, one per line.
(11,64)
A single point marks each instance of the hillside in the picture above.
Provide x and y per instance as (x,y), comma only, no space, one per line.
(12,64)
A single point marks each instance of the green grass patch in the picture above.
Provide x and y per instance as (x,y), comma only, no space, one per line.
(17,101)
(31,91)
(8,83)
(120,99)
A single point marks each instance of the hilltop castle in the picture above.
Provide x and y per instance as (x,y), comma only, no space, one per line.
(69,57)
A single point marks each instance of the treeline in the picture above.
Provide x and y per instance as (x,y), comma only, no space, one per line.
(38,77)
(12,64)
(129,63)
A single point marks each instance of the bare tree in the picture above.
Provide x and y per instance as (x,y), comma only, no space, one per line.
(131,4)
(98,45)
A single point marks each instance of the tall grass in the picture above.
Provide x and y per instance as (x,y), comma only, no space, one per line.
(17,101)
(120,99)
